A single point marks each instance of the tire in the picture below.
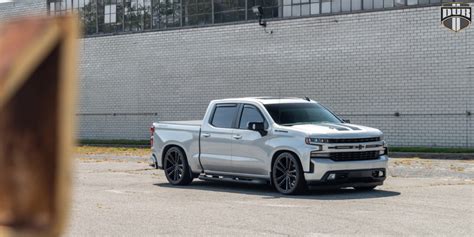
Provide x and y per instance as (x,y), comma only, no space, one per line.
(176,167)
(365,188)
(287,174)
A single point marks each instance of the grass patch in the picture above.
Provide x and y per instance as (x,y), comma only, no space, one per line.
(431,150)
(122,146)
(122,142)
(113,150)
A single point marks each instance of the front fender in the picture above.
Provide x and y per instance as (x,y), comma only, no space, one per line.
(303,153)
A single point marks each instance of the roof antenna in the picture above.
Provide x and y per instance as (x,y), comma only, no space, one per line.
(307,98)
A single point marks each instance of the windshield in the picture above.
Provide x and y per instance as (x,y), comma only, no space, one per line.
(300,113)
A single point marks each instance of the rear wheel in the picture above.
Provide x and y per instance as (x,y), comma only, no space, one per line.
(176,167)
(287,174)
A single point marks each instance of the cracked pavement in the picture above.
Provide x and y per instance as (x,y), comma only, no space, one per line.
(124,196)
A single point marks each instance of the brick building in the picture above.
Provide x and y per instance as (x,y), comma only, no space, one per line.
(389,64)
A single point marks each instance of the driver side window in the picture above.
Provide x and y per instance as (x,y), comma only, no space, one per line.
(250,114)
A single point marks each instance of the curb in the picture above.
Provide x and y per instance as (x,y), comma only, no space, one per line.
(441,156)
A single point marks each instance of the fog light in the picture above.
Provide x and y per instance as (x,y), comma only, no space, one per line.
(381,174)
(332,177)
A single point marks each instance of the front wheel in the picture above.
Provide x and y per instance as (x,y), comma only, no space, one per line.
(287,174)
(176,167)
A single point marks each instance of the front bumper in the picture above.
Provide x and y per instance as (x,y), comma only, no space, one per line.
(321,167)
(350,178)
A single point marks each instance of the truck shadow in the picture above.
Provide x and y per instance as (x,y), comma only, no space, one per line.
(267,192)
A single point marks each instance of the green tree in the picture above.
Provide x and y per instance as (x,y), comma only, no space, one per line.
(89,18)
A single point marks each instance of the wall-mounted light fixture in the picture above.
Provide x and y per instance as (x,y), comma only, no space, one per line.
(258,11)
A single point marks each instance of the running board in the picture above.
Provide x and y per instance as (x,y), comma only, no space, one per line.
(221,178)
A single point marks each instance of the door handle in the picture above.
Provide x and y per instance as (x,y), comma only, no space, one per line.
(206,135)
(237,137)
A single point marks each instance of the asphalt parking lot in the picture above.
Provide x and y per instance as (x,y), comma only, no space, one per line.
(124,196)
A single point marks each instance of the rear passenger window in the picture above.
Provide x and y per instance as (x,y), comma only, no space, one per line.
(224,116)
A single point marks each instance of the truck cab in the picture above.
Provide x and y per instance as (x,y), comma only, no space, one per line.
(291,143)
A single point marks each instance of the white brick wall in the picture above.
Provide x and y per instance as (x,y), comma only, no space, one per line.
(364,66)
(21,8)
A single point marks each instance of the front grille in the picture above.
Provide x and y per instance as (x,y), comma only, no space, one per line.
(350,156)
(352,140)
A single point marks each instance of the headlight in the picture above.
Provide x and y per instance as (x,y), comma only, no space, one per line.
(313,141)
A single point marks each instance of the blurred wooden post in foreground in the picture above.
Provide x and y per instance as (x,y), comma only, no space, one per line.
(37,106)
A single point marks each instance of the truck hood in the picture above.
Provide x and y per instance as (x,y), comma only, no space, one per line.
(336,130)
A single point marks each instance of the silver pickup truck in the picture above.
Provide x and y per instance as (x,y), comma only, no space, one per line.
(291,143)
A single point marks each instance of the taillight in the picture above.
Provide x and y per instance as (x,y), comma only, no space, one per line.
(152,130)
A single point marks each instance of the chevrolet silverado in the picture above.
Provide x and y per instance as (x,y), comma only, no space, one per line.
(290,143)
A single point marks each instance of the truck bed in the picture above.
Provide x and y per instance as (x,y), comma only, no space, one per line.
(183,133)
(186,122)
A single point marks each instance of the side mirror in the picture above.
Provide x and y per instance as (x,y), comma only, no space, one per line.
(346,120)
(258,127)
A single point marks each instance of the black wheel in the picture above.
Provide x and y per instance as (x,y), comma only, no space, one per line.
(176,167)
(365,188)
(287,174)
